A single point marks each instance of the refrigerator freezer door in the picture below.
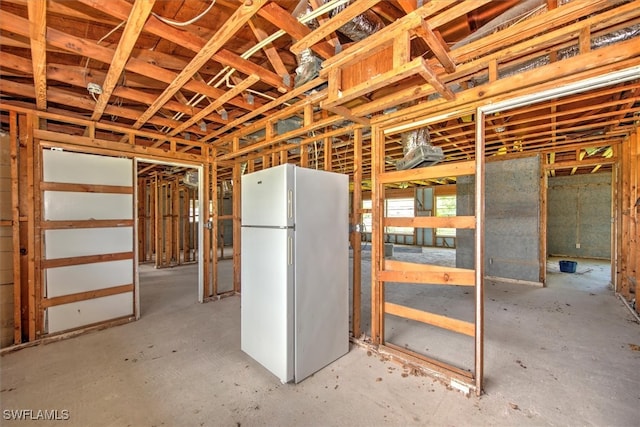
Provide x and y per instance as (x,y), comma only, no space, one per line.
(266,307)
(321,270)
(267,197)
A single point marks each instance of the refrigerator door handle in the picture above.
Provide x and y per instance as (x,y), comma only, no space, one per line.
(290,204)
(290,251)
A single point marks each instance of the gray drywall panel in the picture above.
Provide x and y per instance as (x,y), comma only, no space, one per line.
(512,219)
(579,214)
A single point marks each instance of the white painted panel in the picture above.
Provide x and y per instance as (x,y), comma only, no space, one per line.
(87,241)
(78,168)
(65,205)
(74,315)
(88,277)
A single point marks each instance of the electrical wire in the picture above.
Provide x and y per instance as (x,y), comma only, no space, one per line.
(185,23)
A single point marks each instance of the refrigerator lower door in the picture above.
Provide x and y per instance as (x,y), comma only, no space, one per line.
(266,308)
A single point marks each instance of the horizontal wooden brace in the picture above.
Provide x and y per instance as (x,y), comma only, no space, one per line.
(89,259)
(451,276)
(118,147)
(93,223)
(581,163)
(429,172)
(444,322)
(431,222)
(83,296)
(85,188)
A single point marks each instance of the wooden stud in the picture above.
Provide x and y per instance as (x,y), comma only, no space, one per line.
(328,154)
(585,40)
(157,235)
(544,188)
(356,235)
(377,237)
(15,229)
(175,217)
(479,250)
(31,225)
(237,213)
(215,233)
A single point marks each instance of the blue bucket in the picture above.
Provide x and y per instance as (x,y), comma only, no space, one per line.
(568,266)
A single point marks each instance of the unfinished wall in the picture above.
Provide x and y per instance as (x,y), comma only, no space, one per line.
(512,213)
(6,245)
(579,214)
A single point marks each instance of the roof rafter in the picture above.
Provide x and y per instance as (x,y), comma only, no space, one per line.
(226,31)
(38,33)
(139,14)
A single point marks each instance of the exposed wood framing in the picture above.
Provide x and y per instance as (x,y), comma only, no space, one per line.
(15,229)
(137,18)
(38,31)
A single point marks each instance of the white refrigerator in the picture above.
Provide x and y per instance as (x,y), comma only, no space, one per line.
(294,269)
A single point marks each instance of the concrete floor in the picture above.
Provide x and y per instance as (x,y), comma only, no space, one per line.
(568,354)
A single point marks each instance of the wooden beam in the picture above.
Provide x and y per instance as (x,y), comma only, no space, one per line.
(70,98)
(121,9)
(75,76)
(16,24)
(431,222)
(350,12)
(440,50)
(283,20)
(432,78)
(272,53)
(38,33)
(229,95)
(408,272)
(455,325)
(132,30)
(438,171)
(83,296)
(224,33)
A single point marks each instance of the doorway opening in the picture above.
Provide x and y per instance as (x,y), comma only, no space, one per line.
(168,243)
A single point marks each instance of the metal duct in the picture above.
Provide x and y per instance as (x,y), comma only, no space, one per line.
(360,27)
(571,51)
(521,11)
(308,67)
(417,150)
(357,29)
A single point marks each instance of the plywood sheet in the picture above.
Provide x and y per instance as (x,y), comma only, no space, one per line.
(70,316)
(88,277)
(87,241)
(78,168)
(65,205)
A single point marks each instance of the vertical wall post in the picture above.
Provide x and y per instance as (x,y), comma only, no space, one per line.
(377,236)
(479,251)
(215,199)
(356,236)
(236,225)
(15,226)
